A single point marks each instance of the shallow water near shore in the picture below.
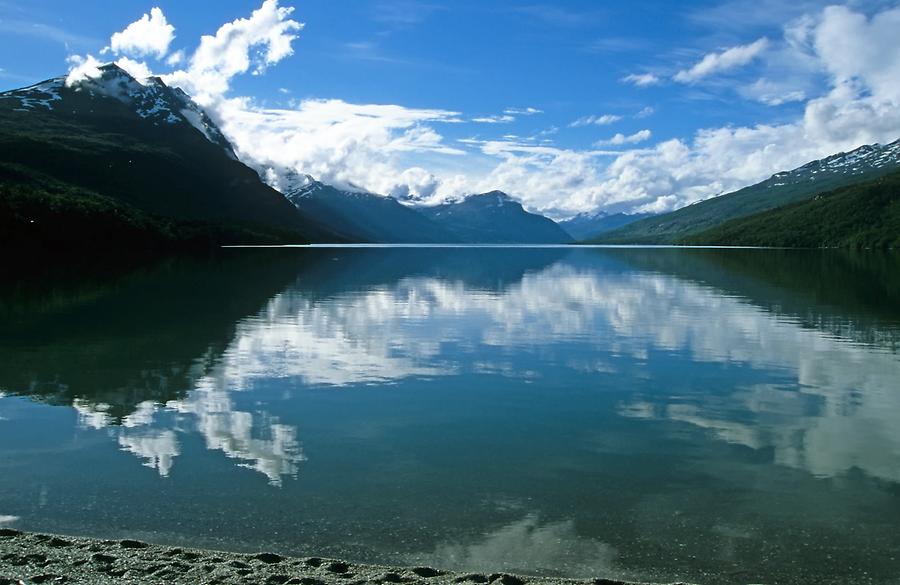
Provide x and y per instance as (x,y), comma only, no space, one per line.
(707,415)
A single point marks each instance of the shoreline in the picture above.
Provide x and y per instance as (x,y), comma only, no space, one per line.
(45,558)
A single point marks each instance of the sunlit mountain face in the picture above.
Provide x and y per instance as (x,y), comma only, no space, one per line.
(642,414)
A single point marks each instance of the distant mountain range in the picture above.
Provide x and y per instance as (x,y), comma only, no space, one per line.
(685,225)
(585,226)
(366,217)
(489,218)
(495,217)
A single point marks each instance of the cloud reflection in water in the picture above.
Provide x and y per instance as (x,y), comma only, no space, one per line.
(835,414)
(527,546)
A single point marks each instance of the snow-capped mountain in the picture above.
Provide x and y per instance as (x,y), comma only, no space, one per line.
(150,99)
(361,216)
(139,150)
(587,225)
(865,161)
(285,181)
(493,217)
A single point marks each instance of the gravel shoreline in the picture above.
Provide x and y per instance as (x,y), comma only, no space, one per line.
(41,558)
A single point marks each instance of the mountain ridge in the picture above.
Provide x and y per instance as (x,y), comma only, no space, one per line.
(366,217)
(496,218)
(835,171)
(369,217)
(587,225)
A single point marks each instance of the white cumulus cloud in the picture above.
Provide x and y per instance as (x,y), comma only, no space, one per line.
(148,36)
(860,53)
(351,145)
(137,69)
(256,42)
(81,68)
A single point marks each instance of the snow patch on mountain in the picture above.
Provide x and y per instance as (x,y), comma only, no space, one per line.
(289,182)
(41,94)
(294,184)
(861,161)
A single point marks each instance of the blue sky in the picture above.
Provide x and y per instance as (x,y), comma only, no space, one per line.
(766,85)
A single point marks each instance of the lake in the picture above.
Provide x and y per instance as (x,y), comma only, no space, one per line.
(715,416)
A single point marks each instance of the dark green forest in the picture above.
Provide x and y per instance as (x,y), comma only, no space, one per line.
(862,216)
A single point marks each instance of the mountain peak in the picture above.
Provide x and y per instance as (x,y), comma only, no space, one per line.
(497,194)
(301,185)
(113,81)
(112,68)
(295,184)
(150,99)
(495,217)
(491,198)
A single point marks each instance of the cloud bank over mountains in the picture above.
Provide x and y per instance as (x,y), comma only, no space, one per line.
(840,66)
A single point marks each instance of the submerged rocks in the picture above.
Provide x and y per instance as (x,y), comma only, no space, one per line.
(102,558)
(31,558)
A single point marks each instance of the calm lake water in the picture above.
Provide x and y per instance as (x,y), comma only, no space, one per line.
(717,416)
